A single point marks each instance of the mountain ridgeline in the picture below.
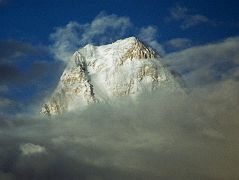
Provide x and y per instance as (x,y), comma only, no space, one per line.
(105,73)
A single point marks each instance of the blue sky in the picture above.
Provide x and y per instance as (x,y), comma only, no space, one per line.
(36,37)
(33,21)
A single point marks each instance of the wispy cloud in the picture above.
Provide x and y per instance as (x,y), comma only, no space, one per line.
(102,29)
(207,63)
(187,19)
(15,53)
(23,66)
(149,35)
(178,43)
(5,103)
(3,88)
(11,50)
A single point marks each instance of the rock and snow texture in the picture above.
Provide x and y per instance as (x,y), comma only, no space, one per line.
(100,73)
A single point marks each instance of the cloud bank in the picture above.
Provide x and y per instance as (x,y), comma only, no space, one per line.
(161,136)
(207,63)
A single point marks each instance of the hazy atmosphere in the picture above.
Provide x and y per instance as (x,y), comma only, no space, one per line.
(188,133)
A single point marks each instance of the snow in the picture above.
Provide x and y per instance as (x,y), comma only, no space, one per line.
(102,73)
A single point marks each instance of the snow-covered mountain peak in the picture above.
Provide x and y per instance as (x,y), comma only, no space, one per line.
(126,67)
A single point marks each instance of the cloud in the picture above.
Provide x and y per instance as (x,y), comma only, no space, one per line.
(24,68)
(11,50)
(163,135)
(9,73)
(181,14)
(195,136)
(178,43)
(5,103)
(159,133)
(29,149)
(149,35)
(207,63)
(13,54)
(103,29)
(106,28)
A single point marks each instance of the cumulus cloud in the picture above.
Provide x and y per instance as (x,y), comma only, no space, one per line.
(188,20)
(29,149)
(103,29)
(106,28)
(207,63)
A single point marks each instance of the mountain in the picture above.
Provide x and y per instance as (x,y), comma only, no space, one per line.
(103,73)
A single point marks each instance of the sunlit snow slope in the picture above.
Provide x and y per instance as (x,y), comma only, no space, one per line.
(103,73)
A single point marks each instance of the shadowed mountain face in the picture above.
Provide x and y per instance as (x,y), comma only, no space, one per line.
(104,73)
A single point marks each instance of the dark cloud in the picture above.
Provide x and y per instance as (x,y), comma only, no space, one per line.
(11,50)
(9,73)
(5,103)
(25,70)
(13,56)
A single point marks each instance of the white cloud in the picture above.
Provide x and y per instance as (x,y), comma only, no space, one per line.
(149,35)
(30,149)
(106,28)
(103,29)
(66,40)
(206,63)
(180,13)
(178,43)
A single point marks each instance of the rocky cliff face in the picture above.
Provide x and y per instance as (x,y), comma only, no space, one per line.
(101,73)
